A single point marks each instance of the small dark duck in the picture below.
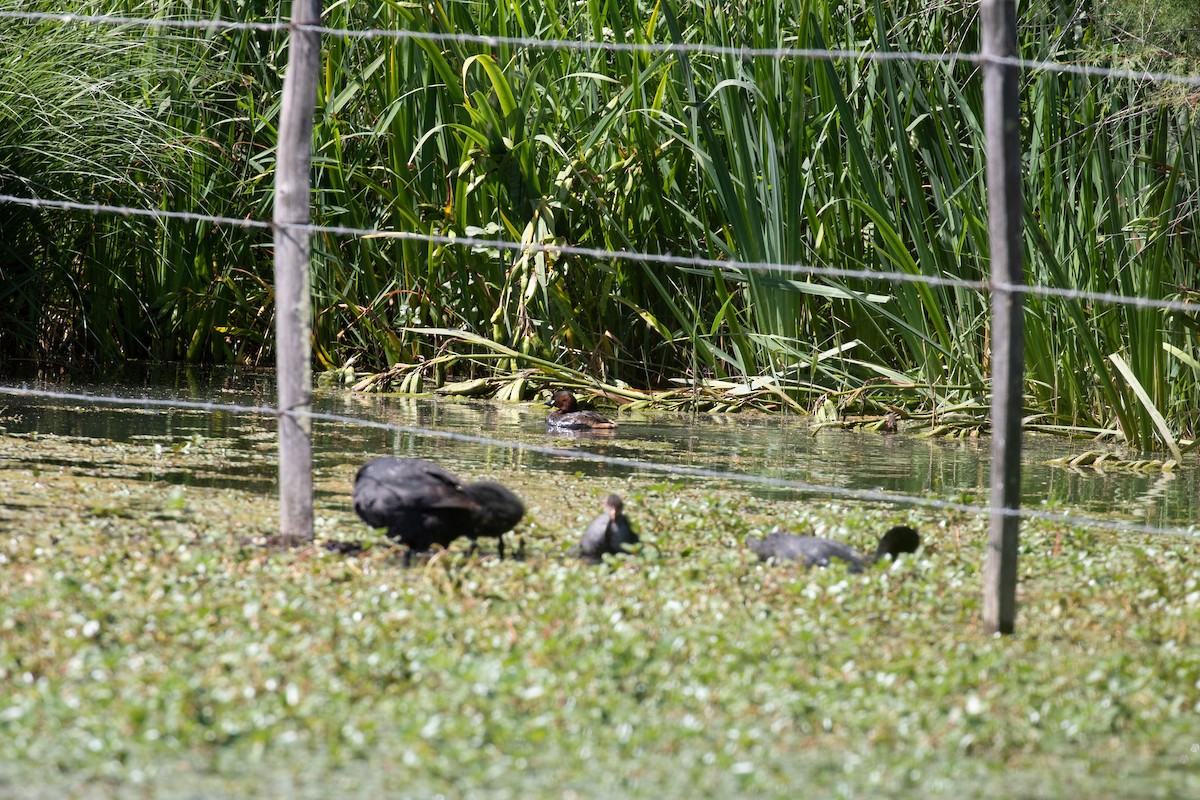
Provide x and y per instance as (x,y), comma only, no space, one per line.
(568,416)
(609,533)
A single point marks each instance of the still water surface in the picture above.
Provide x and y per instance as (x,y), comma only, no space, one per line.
(779,447)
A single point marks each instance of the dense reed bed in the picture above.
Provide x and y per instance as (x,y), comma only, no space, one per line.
(843,163)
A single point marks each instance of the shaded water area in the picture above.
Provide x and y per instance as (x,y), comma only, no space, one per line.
(242,446)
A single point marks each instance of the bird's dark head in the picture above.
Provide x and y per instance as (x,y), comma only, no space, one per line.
(898,539)
(563,400)
(613,504)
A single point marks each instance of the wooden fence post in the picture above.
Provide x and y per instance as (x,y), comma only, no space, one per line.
(1001,114)
(293,302)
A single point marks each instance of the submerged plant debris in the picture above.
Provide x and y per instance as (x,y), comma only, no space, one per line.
(151,646)
(1101,462)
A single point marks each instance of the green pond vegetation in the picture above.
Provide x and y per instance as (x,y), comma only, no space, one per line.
(151,645)
(846,164)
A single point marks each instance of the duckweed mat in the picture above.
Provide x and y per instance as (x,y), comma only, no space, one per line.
(152,646)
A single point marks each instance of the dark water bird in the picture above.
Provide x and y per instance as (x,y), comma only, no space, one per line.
(567,414)
(816,552)
(609,533)
(423,505)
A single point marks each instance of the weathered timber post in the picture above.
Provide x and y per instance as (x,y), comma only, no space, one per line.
(293,304)
(1002,131)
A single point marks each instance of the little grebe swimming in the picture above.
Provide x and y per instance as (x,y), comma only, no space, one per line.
(816,552)
(422,504)
(609,533)
(567,414)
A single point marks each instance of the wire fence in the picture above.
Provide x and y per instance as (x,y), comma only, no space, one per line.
(1003,287)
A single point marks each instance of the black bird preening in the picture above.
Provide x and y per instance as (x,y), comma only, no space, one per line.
(423,505)
(813,551)
(609,533)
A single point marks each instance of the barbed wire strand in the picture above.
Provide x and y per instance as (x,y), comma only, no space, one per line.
(777,53)
(669,259)
(147,22)
(840,492)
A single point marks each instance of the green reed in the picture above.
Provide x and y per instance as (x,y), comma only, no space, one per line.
(837,163)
